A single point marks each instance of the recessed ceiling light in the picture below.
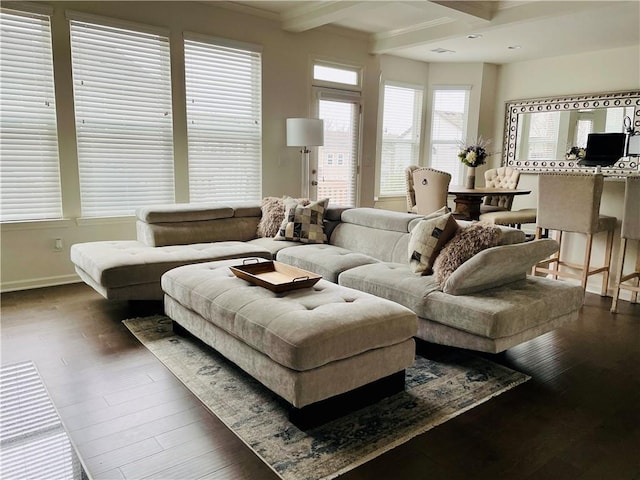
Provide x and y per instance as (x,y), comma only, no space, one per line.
(442,50)
(514,47)
(473,36)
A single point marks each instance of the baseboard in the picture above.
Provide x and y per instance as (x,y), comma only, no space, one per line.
(39,283)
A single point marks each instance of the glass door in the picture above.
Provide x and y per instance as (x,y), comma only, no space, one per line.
(334,171)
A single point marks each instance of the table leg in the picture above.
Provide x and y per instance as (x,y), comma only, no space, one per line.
(467,207)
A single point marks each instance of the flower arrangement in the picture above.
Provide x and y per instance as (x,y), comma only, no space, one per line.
(576,153)
(475,154)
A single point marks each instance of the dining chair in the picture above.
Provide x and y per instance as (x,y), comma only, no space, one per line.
(570,203)
(501,177)
(431,189)
(630,231)
(410,191)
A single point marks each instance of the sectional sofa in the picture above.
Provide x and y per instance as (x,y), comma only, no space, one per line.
(489,303)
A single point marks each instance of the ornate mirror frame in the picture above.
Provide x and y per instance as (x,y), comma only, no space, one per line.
(513,109)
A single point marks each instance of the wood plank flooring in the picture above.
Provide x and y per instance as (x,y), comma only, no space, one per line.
(129,417)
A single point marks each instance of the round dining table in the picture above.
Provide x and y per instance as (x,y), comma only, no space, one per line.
(468,200)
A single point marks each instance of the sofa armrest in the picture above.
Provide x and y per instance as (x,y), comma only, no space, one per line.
(498,266)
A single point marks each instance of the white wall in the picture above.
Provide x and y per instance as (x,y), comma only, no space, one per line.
(593,72)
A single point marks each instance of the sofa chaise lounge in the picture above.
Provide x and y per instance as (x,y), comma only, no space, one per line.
(489,303)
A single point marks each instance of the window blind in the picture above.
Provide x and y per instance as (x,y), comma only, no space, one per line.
(33,442)
(30,174)
(401,126)
(224,118)
(448,129)
(341,114)
(122,93)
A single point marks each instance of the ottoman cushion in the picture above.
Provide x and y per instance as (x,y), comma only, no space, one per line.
(300,329)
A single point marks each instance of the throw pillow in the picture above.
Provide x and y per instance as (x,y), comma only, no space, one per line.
(464,245)
(273,214)
(303,223)
(427,239)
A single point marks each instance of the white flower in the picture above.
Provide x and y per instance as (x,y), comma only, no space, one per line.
(471,157)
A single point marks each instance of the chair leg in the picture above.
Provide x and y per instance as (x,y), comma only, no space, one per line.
(616,288)
(587,261)
(634,295)
(556,263)
(607,265)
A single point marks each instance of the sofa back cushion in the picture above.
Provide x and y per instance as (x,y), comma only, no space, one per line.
(381,234)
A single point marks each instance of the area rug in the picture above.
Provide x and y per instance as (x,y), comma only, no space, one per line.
(434,393)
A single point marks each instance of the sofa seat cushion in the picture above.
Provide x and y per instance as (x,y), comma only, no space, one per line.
(326,260)
(506,310)
(300,329)
(393,281)
(122,263)
(494,313)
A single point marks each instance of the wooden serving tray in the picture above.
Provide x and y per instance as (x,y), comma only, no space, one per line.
(277,277)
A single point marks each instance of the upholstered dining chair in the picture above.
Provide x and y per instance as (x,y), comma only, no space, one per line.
(501,177)
(630,231)
(431,188)
(570,202)
(411,193)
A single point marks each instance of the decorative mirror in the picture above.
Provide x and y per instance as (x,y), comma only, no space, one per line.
(540,132)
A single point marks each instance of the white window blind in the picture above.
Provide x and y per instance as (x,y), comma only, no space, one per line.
(448,129)
(30,176)
(122,92)
(224,118)
(401,126)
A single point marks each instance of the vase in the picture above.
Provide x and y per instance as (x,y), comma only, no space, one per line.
(471,178)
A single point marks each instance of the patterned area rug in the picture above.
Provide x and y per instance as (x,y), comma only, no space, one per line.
(434,393)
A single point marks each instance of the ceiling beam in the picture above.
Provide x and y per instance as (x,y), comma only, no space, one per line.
(316,14)
(472,10)
(434,31)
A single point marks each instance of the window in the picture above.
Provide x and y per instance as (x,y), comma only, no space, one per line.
(401,126)
(327,74)
(30,180)
(341,159)
(449,129)
(330,158)
(122,92)
(224,119)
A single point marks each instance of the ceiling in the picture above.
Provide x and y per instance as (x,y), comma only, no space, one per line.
(438,31)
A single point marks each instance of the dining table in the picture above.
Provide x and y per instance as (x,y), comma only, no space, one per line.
(468,200)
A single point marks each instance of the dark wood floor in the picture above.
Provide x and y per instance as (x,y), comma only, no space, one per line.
(578,418)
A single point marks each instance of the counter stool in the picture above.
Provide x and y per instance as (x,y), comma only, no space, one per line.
(511,218)
(630,231)
(570,202)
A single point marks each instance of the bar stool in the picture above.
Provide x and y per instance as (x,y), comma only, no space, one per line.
(570,202)
(630,231)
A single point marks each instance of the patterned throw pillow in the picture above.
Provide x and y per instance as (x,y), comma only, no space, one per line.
(465,244)
(427,239)
(303,223)
(273,214)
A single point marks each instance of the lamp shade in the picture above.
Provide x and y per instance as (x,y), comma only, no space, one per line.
(305,132)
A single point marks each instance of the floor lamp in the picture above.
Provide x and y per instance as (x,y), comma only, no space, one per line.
(305,132)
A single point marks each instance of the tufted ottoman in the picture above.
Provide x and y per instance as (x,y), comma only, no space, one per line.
(310,346)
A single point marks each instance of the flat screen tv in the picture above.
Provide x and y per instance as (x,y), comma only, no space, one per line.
(603,149)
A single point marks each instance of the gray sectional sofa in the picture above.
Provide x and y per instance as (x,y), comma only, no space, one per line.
(489,303)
